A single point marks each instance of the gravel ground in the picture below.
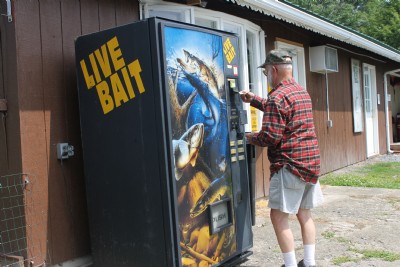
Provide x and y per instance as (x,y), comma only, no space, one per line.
(350,219)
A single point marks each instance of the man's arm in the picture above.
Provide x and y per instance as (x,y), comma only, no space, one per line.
(273,126)
(254,100)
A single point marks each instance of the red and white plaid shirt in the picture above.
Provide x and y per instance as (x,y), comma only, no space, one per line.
(288,131)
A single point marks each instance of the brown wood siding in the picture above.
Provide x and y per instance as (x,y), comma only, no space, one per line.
(339,145)
(381,111)
(32,122)
(3,128)
(45,31)
(11,228)
(262,172)
(10,159)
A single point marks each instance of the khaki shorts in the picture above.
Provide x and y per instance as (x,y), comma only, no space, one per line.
(288,193)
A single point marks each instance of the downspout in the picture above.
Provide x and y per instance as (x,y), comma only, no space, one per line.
(392,72)
(329,121)
(327,97)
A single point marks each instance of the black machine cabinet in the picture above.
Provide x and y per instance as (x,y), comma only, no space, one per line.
(163,144)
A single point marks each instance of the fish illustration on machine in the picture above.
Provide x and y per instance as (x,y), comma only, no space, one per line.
(186,149)
(211,111)
(193,64)
(179,111)
(215,191)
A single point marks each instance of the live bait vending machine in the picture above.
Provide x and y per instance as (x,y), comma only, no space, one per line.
(163,146)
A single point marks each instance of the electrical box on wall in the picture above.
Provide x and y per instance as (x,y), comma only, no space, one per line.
(64,151)
(323,59)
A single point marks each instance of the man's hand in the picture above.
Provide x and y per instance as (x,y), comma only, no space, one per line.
(248,138)
(246,96)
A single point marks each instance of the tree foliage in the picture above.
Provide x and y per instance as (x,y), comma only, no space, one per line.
(379,19)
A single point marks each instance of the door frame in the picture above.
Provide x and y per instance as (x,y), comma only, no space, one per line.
(374,106)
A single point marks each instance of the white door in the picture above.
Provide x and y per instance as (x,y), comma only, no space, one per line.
(371,114)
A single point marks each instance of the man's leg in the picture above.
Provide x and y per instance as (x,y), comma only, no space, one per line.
(284,235)
(308,233)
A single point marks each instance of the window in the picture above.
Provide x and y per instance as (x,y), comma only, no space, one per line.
(297,53)
(206,21)
(255,78)
(251,39)
(367,91)
(175,12)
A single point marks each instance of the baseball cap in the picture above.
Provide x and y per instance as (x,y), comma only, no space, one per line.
(277,57)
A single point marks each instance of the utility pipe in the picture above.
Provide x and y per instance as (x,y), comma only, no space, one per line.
(392,72)
(329,122)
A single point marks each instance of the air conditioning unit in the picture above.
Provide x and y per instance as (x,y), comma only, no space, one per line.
(323,59)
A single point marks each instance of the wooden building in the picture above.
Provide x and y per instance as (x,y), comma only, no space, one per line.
(43,206)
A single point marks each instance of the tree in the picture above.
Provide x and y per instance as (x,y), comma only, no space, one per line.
(384,21)
(379,19)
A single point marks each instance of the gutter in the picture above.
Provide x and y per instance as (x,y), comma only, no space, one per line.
(392,72)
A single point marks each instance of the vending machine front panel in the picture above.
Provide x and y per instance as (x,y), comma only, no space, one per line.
(200,143)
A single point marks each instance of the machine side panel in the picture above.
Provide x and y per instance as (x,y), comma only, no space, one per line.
(120,147)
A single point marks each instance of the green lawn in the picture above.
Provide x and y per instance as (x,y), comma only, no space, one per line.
(378,175)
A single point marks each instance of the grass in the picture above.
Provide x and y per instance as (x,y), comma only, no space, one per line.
(367,254)
(343,240)
(394,202)
(343,259)
(377,175)
(378,254)
(328,234)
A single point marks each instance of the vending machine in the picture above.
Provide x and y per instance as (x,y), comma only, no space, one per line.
(163,146)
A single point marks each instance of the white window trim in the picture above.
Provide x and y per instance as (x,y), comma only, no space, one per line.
(259,79)
(260,55)
(300,60)
(204,15)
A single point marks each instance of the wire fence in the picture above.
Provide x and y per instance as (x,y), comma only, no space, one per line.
(18,221)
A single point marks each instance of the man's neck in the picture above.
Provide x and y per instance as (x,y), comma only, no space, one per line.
(283,79)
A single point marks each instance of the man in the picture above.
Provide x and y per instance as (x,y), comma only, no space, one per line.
(288,132)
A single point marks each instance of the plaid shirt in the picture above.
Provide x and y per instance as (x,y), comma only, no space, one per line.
(288,131)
